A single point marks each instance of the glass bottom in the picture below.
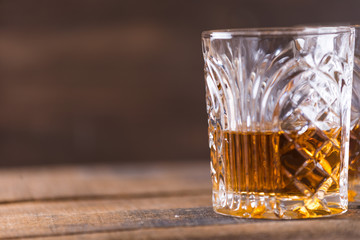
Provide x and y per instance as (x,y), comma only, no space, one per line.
(270,206)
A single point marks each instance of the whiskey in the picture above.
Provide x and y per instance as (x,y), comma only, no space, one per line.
(286,165)
(354,164)
(251,162)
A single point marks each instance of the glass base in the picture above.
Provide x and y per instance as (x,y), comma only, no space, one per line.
(271,206)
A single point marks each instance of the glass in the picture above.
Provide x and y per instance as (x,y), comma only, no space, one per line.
(354,160)
(278,105)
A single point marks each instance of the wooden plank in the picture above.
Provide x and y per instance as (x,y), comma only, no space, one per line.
(327,229)
(158,217)
(34,219)
(111,181)
(150,201)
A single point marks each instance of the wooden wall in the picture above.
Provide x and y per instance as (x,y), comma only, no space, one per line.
(119,80)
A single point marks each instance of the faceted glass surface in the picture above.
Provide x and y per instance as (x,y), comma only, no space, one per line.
(278,104)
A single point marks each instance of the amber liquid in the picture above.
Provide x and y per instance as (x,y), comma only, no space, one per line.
(302,168)
(286,164)
(354,164)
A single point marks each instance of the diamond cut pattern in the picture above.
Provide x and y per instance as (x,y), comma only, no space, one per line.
(315,135)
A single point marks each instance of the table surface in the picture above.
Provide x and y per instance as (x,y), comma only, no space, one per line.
(169,200)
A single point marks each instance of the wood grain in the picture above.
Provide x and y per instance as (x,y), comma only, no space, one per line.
(294,230)
(150,201)
(110,218)
(80,217)
(99,181)
(64,218)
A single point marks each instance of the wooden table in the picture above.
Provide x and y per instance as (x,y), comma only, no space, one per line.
(169,200)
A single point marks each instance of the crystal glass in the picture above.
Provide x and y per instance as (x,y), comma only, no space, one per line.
(278,105)
(354,160)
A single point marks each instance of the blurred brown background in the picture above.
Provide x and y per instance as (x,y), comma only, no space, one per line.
(110,81)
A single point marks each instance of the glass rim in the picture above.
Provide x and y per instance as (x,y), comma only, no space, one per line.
(276,31)
(355,25)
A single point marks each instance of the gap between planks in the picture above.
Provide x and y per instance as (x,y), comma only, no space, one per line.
(112,197)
